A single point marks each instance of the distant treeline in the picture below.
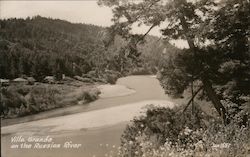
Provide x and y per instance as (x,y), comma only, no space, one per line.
(41,46)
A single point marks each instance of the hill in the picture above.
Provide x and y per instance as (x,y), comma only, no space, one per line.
(42,46)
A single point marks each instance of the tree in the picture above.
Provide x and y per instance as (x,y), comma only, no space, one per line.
(188,20)
(230,32)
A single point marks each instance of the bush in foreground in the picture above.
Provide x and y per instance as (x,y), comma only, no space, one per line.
(164,132)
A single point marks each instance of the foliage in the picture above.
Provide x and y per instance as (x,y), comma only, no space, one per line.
(216,61)
(218,37)
(166,132)
(22,100)
(111,76)
(160,124)
(42,47)
(148,54)
(89,96)
(15,102)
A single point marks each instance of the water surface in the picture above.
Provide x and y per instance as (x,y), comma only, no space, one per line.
(97,127)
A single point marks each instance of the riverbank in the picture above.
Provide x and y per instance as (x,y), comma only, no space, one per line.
(127,90)
(91,119)
(20,100)
(105,91)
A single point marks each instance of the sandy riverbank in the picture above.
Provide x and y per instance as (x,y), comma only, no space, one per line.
(106,91)
(91,119)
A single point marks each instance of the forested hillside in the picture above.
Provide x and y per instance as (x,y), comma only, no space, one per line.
(41,46)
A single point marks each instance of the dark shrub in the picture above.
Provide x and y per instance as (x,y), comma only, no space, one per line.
(160,124)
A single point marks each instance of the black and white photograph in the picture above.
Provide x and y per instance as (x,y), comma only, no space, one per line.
(125,78)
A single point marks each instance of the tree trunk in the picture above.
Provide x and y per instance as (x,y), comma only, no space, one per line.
(216,102)
(206,83)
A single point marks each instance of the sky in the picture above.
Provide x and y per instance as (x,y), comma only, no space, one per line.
(84,11)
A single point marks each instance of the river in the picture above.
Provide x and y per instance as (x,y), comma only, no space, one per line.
(97,127)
